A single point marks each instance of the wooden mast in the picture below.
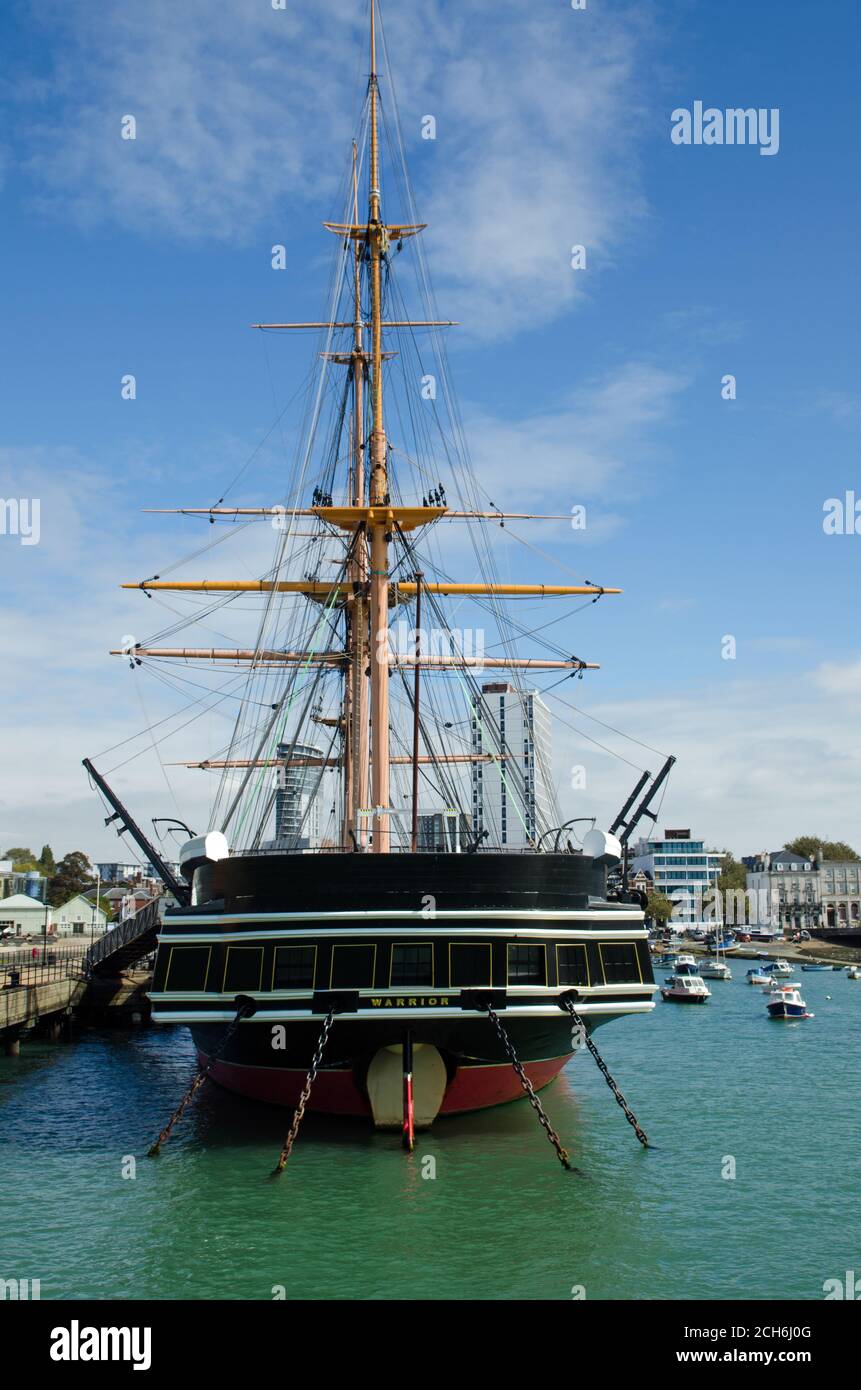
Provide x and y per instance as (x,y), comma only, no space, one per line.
(356,689)
(379,488)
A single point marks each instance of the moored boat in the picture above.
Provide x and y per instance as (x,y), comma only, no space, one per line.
(785,1002)
(685,989)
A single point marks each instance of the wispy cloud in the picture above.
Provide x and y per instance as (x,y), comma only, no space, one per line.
(244,115)
(758,762)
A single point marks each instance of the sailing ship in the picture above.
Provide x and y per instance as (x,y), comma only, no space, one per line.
(402,966)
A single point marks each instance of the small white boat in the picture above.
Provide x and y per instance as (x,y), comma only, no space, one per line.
(682,965)
(758,976)
(785,1001)
(854,972)
(685,989)
(781,967)
(715,970)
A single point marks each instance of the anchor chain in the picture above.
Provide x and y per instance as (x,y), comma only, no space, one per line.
(245,1010)
(568,1006)
(529,1090)
(303,1099)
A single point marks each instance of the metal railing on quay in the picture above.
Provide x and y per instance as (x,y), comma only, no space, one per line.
(40,966)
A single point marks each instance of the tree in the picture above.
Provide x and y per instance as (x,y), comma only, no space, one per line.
(805,845)
(659,909)
(23,860)
(47,862)
(74,875)
(733,875)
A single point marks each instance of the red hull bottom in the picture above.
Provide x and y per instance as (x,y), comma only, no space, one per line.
(336,1093)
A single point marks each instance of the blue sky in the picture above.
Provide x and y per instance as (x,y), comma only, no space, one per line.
(553,128)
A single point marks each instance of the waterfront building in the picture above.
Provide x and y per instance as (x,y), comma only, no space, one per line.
(806,892)
(443,831)
(681,868)
(512,798)
(79,917)
(786,884)
(22,915)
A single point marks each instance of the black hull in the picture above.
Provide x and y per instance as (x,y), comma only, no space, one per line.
(400,946)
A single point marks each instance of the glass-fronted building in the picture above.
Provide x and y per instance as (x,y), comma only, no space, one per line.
(681,868)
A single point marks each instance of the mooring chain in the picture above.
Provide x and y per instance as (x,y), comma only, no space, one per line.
(568,1006)
(562,1154)
(303,1099)
(245,1010)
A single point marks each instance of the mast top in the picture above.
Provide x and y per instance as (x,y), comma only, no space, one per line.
(373,41)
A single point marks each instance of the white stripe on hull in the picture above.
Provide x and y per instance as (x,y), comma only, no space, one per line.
(610,1009)
(504,914)
(551,992)
(328,933)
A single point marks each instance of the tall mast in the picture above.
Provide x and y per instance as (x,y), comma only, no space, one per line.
(379,490)
(356,701)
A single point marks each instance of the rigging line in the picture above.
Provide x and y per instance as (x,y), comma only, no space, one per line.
(210,545)
(589,739)
(282,548)
(288,691)
(177,680)
(133,737)
(621,734)
(170,734)
(471,683)
(170,789)
(576,574)
(279,417)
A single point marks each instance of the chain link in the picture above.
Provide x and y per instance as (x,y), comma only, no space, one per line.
(303,1099)
(562,1154)
(244,1011)
(568,1006)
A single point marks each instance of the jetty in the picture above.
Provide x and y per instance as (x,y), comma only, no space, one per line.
(44,988)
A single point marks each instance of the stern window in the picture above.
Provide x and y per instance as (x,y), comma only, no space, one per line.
(353,967)
(412,965)
(243,969)
(572,965)
(294,967)
(187,968)
(527,965)
(620,964)
(470,965)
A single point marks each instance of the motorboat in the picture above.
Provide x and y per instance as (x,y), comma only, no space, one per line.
(758,976)
(685,989)
(781,967)
(816,966)
(785,1001)
(854,972)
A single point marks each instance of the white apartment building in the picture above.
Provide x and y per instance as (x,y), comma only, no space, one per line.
(512,797)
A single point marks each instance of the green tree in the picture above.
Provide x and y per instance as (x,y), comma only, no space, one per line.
(805,845)
(74,875)
(23,860)
(733,874)
(659,909)
(47,862)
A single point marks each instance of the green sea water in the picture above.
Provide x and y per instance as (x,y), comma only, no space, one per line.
(719,1089)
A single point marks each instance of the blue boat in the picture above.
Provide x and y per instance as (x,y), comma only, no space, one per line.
(785,1001)
(816,967)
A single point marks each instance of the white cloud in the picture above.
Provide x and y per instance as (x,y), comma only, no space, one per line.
(757,762)
(839,678)
(244,115)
